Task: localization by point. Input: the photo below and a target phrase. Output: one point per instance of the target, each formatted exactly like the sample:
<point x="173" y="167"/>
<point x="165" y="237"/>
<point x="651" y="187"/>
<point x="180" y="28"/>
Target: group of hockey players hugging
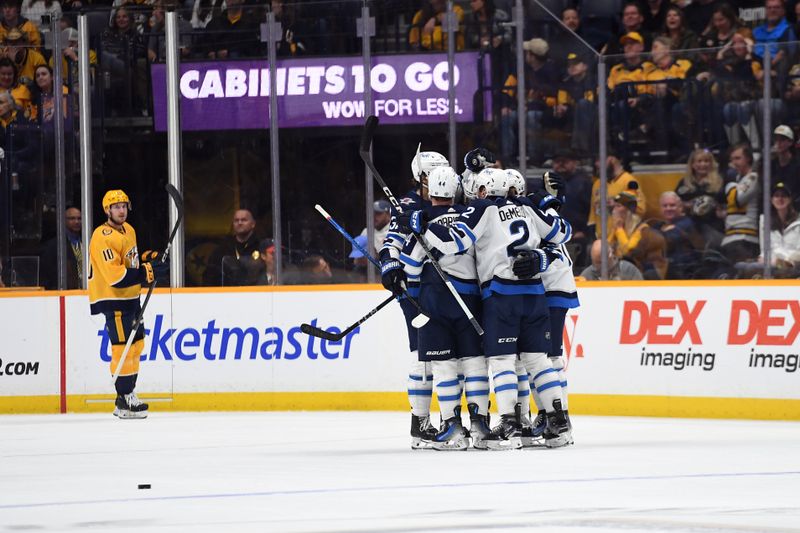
<point x="502" y="252"/>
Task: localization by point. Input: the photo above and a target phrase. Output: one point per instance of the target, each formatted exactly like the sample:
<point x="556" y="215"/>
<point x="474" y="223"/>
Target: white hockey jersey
<point x="499" y="228"/>
<point x="460" y="268"/>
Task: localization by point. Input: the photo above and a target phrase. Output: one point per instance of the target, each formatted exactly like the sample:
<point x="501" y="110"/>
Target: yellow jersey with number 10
<point x="111" y="253"/>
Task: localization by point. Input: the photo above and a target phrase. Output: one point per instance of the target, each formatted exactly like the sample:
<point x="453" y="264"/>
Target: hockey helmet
<point x="443" y="183"/>
<point x="514" y="179"/>
<point x="493" y="180"/>
<point x="116" y="196"/>
<point x="424" y="162"/>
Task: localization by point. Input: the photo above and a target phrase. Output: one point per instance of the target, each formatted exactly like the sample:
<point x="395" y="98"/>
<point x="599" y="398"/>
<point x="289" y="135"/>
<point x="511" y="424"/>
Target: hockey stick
<point x="308" y="329"/>
<point x="421" y="319"/>
<point x="363" y="151"/>
<point x="177" y="199"/>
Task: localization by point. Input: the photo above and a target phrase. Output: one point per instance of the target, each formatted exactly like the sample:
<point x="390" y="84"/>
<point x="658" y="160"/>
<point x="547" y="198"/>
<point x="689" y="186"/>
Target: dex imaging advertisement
<point x="406" y="89"/>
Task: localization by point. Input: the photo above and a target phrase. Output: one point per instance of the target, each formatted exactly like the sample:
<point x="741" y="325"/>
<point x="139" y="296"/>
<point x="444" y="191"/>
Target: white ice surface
<point x="355" y="472"/>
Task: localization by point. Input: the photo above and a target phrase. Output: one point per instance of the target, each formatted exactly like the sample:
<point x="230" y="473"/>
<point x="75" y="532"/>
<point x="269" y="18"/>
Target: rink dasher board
<point x="708" y="349"/>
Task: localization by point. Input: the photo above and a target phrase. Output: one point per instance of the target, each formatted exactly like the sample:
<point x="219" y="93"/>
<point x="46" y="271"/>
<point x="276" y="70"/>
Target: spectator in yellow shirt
<point x="426" y="27"/>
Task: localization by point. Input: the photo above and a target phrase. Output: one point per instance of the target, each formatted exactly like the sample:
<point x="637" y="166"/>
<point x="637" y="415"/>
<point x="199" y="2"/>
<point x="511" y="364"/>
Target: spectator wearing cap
<point x="157" y="42"/>
<point x="266" y="250"/>
<point x="784" y="232"/>
<point x="619" y="180"/>
<point x="12" y="19"/>
<point x="575" y="102"/>
<point x="541" y="87"/>
<point x="381" y="216"/>
<point x="426" y="31"/>
<point x="625" y="81"/>
<point x="785" y="165"/>
<point x="69" y="59"/>
<point x="742" y="197"/>
<point x="632" y="22"/>
<point x="15" y="45"/>
<point x="634" y="240"/>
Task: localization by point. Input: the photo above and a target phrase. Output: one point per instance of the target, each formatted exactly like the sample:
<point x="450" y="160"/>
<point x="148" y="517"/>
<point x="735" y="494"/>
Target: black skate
<point x="505" y="435"/>
<point x="130" y="406"/>
<point x="452" y="435"/>
<point x="422" y="432"/>
<point x="527" y="435"/>
<point x="478" y="427"/>
<point x="556" y="433"/>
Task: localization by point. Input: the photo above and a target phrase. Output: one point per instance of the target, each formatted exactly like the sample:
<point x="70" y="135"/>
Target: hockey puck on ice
<point x="144" y="485"/>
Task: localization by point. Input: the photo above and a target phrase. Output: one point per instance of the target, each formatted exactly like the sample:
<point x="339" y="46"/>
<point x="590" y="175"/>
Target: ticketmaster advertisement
<point x="325" y="91"/>
<point x="729" y="341"/>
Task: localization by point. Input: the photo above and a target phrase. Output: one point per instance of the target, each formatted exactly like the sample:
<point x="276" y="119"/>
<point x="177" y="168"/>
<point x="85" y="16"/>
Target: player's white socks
<point x="476" y="382"/>
<point x="523" y="386"/>
<point x="419" y="390"/>
<point x="448" y="386"/>
<point x="504" y="377"/>
<point x="544" y="378"/>
<point x="558" y="364"/>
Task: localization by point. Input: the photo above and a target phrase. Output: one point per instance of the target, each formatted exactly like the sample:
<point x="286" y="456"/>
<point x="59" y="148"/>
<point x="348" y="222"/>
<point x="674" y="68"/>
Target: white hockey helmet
<point x="424" y="162"/>
<point x="469" y="184"/>
<point x="493" y="180"/>
<point x="514" y="179"/>
<point x="443" y="183"/>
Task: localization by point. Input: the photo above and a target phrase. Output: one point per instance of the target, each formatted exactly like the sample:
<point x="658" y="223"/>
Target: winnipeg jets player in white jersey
<point x="394" y="279"/>
<point x="561" y="293"/>
<point x="509" y="236"/>
<point x="448" y="340"/>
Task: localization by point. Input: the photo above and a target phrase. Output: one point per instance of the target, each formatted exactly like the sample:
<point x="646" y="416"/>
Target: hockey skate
<point x="452" y="435"/>
<point x="130" y="406"/>
<point x="505" y="435"/>
<point x="528" y="435"/>
<point x="422" y="432"/>
<point x="478" y="427"/>
<point x="556" y="433"/>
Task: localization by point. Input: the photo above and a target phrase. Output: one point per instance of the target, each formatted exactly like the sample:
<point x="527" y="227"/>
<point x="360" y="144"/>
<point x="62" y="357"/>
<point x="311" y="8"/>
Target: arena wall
<point x="694" y="349"/>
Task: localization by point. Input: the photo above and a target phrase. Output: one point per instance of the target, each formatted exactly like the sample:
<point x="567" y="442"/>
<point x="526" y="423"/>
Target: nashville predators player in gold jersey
<point x="115" y="282"/>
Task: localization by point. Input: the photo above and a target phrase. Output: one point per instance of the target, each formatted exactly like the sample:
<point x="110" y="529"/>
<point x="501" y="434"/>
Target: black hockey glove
<point x="393" y="277"/>
<point x="528" y="263"/>
<point x="478" y="159"/>
<point x="544" y="201"/>
<point x="413" y="221"/>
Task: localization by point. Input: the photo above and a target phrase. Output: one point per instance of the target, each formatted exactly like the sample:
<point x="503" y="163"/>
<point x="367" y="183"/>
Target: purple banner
<point x="406" y="89"/>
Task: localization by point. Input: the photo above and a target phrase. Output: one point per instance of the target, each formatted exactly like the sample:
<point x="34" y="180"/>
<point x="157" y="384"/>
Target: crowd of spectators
<point x="685" y="81"/>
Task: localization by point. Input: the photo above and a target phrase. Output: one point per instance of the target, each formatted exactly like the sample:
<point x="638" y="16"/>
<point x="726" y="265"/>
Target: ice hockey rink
<point x="338" y="472"/>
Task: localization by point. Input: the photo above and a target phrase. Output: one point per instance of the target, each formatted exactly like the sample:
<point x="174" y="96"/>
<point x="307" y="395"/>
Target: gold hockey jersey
<point x="114" y="279"/>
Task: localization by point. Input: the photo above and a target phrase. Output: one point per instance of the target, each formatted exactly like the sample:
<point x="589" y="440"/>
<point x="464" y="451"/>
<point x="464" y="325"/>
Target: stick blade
<point x="369" y="131"/>
<point x="176" y="197"/>
<point x="420" y="320"/>
<point x="308" y="329"/>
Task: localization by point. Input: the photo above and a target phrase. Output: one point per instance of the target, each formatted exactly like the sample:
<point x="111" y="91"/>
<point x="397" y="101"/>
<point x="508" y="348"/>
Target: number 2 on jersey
<point x="516" y="228"/>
